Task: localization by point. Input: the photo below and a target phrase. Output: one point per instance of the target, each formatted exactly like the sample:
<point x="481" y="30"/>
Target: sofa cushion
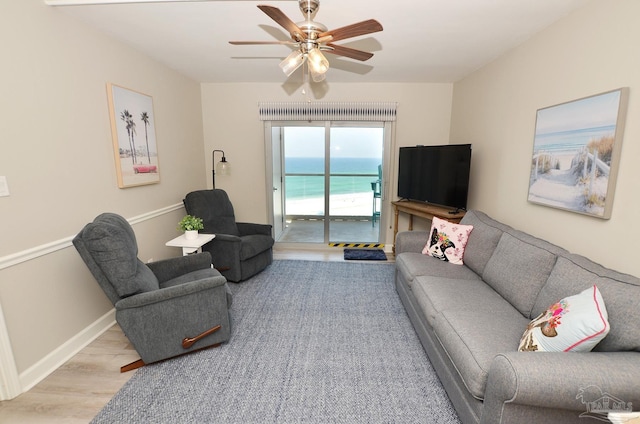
<point x="621" y="294"/>
<point x="473" y="337"/>
<point x="518" y="269"/>
<point x="436" y="294"/>
<point x="483" y="239"/>
<point x="573" y="324"/>
<point x="414" y="264"/>
<point x="114" y="249"/>
<point x="447" y="241"/>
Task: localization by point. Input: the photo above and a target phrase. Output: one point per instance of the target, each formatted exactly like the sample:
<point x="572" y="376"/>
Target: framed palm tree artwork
<point x="134" y="137"/>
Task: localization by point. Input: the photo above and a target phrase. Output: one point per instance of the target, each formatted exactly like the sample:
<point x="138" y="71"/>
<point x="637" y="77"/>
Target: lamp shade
<point x="317" y="76"/>
<point x="223" y="167"/>
<point x="292" y="62"/>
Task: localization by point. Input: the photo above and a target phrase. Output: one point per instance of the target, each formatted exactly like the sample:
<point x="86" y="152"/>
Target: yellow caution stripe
<point x="369" y="245"/>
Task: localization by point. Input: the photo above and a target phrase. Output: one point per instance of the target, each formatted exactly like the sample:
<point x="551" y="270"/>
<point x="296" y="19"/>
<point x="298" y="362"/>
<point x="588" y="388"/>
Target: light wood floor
<point x="80" y="388"/>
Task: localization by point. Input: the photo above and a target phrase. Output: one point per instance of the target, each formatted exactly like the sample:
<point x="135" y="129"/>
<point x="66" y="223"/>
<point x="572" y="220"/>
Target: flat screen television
<point x="435" y="174"/>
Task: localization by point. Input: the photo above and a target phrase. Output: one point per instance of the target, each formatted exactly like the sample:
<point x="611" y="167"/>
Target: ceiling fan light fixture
<point x="317" y="77"/>
<point x="292" y="62"/>
<point x="318" y="64"/>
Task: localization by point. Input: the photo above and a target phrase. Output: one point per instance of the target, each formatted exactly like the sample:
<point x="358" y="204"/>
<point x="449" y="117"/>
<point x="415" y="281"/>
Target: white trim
<point x="9" y="381"/>
<point x="45" y="249"/>
<point x="12" y="384"/>
<point x="40" y="370"/>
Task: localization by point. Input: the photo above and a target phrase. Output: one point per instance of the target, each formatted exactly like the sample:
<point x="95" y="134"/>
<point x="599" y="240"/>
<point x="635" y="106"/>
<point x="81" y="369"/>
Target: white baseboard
<point x="40" y="370"/>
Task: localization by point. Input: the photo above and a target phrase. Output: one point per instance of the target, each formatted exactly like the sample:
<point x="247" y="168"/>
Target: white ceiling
<point x="422" y="41"/>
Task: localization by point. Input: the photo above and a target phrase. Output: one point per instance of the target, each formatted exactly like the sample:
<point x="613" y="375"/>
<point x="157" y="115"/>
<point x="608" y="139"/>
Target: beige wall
<point x="56" y="152"/>
<point x="588" y="52"/>
<point x="231" y="123"/>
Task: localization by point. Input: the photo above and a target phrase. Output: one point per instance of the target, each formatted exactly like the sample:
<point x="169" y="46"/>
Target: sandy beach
<point x="353" y="204"/>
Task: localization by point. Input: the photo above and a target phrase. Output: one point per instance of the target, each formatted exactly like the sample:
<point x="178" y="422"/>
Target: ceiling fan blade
<point x="349" y="52"/>
<point x="353" y="30"/>
<point x="284" y="21"/>
<point x="246" y="43"/>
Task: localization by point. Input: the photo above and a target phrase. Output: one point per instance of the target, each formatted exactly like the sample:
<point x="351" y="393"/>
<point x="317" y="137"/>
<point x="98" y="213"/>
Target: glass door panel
<point x="355" y="169"/>
<point x="304" y="181"/>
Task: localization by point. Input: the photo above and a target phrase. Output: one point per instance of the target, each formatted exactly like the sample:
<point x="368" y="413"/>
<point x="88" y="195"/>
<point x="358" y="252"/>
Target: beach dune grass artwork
<point x="576" y="151"/>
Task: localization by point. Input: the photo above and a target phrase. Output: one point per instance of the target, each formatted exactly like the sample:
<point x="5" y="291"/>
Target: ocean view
<point x="351" y="179"/>
<point x="563" y="141"/>
<point x="304" y="186"/>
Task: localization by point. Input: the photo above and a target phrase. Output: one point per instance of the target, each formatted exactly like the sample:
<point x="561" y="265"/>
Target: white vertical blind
<point x="327" y="111"/>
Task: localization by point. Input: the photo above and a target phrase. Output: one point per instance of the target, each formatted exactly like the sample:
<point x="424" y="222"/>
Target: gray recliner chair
<point x="165" y="308"/>
<point x="240" y="250"/>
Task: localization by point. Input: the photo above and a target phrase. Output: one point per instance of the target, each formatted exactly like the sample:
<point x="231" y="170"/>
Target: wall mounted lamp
<point x="223" y="167"/>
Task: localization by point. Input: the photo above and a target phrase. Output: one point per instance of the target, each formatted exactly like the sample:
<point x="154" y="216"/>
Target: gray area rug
<point x="312" y="342"/>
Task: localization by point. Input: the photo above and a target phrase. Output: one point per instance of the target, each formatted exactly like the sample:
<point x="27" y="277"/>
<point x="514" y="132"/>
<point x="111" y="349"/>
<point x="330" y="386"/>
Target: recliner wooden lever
<point x="187" y="342"/>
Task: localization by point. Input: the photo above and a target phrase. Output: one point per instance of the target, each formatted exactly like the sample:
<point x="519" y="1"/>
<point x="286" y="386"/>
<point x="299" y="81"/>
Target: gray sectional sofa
<point x="470" y="319"/>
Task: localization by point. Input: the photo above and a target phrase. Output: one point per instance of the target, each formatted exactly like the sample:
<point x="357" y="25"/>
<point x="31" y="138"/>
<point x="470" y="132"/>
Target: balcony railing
<point x="350" y="196"/>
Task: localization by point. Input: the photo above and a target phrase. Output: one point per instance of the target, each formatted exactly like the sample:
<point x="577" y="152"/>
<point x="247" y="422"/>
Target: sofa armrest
<point x="411" y="241"/>
<point x="247" y="228"/>
<point x="560" y="380"/>
<point x="168" y="269"/>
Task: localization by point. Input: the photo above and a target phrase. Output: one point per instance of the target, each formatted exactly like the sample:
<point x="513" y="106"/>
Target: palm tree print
<point x="144" y="117"/>
<point x="131" y="129"/>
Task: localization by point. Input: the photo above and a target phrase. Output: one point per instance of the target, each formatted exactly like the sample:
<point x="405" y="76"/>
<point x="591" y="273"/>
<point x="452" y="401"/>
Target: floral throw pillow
<point x="447" y="241"/>
<point x="574" y="324"/>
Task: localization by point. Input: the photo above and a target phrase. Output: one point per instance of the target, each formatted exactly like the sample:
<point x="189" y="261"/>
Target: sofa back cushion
<point x="483" y="239"/>
<point x="621" y="293"/>
<point x="518" y="268"/>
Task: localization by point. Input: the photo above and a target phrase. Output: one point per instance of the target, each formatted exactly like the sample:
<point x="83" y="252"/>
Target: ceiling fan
<point x="310" y="39"/>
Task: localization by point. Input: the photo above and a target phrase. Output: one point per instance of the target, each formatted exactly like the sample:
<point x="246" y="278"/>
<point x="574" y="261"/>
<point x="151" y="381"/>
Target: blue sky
<point x="591" y="112"/>
<point x="345" y="142"/>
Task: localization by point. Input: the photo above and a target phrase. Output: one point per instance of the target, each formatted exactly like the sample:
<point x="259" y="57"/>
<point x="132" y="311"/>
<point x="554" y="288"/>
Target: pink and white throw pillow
<point x="447" y="241"/>
<point x="574" y="324"/>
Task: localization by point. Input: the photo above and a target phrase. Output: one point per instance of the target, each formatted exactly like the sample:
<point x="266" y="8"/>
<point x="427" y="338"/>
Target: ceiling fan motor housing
<point x="311" y="29"/>
<point x="309" y="6"/>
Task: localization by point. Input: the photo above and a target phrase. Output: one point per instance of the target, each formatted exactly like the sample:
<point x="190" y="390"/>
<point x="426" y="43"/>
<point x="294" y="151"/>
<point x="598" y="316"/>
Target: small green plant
<point x="190" y="223"/>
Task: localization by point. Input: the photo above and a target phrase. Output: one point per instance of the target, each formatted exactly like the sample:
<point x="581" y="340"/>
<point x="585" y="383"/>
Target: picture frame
<point x="134" y="137"/>
<point x="576" y="153"/>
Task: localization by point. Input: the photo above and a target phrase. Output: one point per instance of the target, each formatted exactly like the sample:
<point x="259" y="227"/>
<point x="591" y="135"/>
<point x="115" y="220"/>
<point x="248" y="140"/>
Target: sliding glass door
<point x="330" y="181"/>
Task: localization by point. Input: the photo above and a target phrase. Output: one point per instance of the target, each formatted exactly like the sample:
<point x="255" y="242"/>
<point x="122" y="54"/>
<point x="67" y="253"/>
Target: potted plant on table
<point x="190" y="225"/>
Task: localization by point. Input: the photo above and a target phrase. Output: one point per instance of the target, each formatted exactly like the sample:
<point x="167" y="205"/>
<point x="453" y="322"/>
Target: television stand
<point x="423" y="210"/>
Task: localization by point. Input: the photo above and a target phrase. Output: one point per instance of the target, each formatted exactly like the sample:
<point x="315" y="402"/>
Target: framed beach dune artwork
<point x="576" y="152"/>
<point x="134" y="137"/>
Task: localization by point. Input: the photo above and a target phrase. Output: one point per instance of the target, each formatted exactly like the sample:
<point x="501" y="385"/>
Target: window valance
<point x="327" y="111"/>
